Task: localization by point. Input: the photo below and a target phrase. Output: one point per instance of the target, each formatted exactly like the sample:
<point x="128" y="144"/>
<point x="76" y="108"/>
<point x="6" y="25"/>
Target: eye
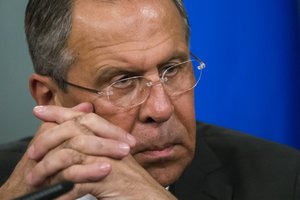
<point x="171" y="70"/>
<point x="125" y="82"/>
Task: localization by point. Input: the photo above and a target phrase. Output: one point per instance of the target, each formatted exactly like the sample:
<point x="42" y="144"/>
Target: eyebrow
<point x="107" y="73"/>
<point x="180" y="56"/>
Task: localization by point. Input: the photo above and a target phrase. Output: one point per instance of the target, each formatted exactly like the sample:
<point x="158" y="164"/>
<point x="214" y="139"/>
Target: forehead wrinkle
<point x="129" y="17"/>
<point x="139" y="59"/>
<point x="92" y="29"/>
<point x="113" y="48"/>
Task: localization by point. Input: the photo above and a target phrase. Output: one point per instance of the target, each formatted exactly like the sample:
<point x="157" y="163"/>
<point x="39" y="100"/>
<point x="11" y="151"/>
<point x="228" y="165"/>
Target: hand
<point x="52" y="134"/>
<point x="127" y="180"/>
<point x="77" y="135"/>
<point x="62" y="158"/>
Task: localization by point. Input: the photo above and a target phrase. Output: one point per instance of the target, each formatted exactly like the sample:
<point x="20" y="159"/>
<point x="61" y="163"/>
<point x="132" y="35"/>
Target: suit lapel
<point x="205" y="178"/>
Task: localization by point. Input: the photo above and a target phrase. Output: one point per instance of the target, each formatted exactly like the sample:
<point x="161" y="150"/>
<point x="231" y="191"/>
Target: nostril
<point x="150" y="120"/>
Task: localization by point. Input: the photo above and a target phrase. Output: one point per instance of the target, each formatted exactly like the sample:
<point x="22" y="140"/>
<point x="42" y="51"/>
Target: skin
<point x="105" y="149"/>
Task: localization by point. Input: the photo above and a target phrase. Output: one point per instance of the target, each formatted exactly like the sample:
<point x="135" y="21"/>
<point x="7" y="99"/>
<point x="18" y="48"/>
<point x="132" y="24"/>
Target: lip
<point x="159" y="152"/>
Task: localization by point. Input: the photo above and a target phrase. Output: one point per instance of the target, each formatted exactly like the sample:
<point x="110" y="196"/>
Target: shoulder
<point x="220" y="139"/>
<point x="264" y="169"/>
<point x="255" y="165"/>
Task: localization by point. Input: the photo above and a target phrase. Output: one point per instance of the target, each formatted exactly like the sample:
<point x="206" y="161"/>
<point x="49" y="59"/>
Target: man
<point x="114" y="82"/>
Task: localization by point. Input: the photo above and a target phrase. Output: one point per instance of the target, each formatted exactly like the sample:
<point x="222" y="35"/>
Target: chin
<point x="167" y="173"/>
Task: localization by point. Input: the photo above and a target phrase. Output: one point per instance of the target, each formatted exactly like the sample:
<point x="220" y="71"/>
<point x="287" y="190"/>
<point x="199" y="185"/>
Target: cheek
<point x="68" y="99"/>
<point x="185" y="111"/>
<point x="124" y="119"/>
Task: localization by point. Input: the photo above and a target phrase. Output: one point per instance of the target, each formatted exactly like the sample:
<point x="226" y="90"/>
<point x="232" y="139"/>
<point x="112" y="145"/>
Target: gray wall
<point x="16" y="118"/>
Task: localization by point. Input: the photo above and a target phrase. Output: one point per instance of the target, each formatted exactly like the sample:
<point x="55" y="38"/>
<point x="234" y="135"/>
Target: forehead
<point x="120" y="21"/>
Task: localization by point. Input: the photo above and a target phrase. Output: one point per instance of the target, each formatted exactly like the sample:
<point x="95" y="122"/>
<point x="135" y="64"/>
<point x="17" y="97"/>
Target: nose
<point x="158" y="107"/>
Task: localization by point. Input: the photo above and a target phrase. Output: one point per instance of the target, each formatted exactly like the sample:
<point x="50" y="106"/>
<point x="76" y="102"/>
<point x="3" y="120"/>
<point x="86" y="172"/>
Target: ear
<point x="43" y="89"/>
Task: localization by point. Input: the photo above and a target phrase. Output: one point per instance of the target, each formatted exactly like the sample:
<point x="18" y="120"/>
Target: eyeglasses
<point x="128" y="92"/>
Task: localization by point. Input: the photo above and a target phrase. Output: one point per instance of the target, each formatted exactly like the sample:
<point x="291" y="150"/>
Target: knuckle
<point x="63" y="158"/>
<point x="73" y="156"/>
<point x="90" y="118"/>
<point x="98" y="144"/>
<point x="47" y="164"/>
<point x="83" y="122"/>
<point x="68" y="174"/>
<point x="78" y="142"/>
<point x="44" y="132"/>
<point x="72" y="174"/>
<point x="77" y="119"/>
<point x="71" y="123"/>
<point x="45" y="126"/>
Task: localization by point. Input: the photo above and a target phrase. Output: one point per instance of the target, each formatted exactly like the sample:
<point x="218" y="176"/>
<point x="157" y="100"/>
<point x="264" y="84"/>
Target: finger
<point x="85" y="107"/>
<point x="87" y="173"/>
<point x="52" y="138"/>
<point x="87" y="144"/>
<point x="96" y="146"/>
<point x="58" y="114"/>
<point x="67" y="161"/>
<point x="98" y="125"/>
<point x="105" y="129"/>
<point x="86" y="125"/>
<point x="52" y="163"/>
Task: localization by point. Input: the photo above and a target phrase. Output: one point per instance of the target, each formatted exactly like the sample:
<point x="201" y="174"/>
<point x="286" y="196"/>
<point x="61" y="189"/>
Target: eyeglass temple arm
<point x="202" y="64"/>
<point x="84" y="88"/>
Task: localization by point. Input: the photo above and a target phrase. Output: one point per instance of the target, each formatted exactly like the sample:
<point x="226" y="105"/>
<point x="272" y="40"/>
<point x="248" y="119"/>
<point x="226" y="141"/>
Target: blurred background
<point x="16" y="118"/>
<point x="251" y="84"/>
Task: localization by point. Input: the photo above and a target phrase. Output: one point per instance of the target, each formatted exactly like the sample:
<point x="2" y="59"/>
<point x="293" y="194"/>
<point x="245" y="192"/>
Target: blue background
<point x="252" y="52"/>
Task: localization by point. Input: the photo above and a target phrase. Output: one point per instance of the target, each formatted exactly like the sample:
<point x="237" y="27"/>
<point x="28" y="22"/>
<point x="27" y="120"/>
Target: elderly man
<point x="114" y="84"/>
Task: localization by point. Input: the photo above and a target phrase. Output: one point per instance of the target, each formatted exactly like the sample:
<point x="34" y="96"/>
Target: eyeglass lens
<point x="176" y="80"/>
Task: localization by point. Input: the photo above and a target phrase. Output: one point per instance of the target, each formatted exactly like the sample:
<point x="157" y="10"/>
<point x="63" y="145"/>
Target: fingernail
<point x="125" y="148"/>
<point x="39" y="109"/>
<point x="131" y="140"/>
<point x="104" y="166"/>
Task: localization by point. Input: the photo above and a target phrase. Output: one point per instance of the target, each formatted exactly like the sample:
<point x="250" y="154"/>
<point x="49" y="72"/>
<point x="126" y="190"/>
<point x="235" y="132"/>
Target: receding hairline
<point x="48" y="25"/>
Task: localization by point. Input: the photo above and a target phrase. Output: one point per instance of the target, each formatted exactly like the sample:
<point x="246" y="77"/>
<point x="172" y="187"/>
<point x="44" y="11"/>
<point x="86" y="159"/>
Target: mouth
<point x="158" y="152"/>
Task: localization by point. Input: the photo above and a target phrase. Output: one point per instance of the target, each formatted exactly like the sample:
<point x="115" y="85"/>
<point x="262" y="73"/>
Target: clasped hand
<point x="80" y="146"/>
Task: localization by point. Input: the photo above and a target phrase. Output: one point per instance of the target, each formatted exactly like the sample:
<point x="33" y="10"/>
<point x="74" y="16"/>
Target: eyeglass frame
<point x="200" y="67"/>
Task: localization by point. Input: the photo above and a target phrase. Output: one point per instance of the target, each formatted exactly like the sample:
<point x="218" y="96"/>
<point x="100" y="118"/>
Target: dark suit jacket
<point x="232" y="165"/>
<point x="227" y="166"/>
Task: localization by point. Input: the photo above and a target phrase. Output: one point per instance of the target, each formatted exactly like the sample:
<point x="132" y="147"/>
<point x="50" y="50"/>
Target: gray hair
<point x="48" y="25"/>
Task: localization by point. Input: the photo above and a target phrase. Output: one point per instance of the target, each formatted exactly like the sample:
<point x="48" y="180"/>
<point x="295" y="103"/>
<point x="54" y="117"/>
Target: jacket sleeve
<point x="10" y="155"/>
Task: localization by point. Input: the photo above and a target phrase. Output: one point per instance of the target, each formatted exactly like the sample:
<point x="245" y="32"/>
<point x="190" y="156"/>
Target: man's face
<point x="139" y="36"/>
